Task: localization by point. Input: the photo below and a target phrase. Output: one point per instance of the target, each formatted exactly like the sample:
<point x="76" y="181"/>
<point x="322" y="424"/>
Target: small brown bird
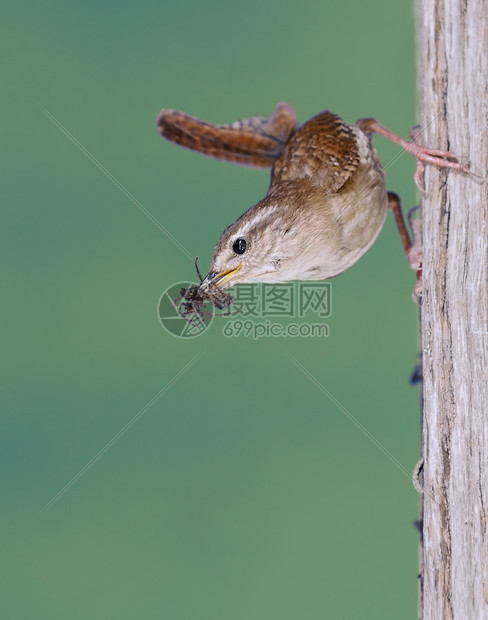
<point x="326" y="202"/>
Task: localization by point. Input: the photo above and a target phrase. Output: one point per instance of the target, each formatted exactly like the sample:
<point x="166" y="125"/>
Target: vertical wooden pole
<point x="452" y="48"/>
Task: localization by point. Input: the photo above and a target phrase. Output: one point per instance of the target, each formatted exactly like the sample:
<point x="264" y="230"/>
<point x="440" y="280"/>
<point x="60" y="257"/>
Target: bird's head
<point x="267" y="242"/>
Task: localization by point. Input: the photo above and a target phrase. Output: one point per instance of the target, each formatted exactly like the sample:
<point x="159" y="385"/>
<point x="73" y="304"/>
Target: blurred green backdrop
<point x="244" y="491"/>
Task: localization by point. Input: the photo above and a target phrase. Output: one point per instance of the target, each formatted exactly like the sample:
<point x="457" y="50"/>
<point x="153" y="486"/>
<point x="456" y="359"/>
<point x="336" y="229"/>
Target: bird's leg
<point x="413" y="250"/>
<point x="423" y="155"/>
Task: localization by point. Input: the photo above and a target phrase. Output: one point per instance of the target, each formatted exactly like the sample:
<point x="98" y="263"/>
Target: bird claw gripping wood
<point x="414" y="254"/>
<point x="422" y="154"/>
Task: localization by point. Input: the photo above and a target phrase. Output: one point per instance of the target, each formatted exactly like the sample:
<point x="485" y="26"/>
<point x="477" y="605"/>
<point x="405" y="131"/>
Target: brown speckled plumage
<point x="324" y="149"/>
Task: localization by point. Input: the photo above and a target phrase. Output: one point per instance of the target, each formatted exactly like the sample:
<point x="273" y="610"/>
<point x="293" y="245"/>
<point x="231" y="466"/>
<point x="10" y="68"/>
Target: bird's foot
<point x="414" y="254"/>
<point x="423" y="155"/>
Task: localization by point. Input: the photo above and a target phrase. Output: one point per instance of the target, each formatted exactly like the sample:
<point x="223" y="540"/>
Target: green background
<point x="244" y="491"/>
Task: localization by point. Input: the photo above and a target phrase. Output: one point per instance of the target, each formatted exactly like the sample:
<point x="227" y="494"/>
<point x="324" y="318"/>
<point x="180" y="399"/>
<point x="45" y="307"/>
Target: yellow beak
<point x="223" y="276"/>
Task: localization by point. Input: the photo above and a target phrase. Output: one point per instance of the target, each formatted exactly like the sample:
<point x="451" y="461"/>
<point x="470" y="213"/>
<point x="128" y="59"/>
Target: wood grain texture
<point x="452" y="40"/>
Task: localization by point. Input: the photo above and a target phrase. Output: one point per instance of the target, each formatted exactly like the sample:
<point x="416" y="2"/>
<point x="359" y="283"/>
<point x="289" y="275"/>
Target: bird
<point x="326" y="202"/>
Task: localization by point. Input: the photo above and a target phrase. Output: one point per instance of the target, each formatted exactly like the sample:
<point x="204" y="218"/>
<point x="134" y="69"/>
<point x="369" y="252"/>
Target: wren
<point x="326" y="203"/>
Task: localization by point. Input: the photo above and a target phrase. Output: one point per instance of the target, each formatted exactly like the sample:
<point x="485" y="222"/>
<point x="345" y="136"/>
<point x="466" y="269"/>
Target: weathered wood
<point x="452" y="41"/>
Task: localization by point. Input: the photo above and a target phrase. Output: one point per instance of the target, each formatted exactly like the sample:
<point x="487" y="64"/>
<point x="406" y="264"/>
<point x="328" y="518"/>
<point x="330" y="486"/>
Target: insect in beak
<point x="193" y="298"/>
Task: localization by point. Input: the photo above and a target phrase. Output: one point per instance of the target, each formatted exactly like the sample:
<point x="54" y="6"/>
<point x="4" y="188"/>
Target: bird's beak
<point x="219" y="279"/>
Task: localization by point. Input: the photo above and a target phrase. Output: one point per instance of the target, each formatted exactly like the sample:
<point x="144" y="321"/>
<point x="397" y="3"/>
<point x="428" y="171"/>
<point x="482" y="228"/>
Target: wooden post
<point x="452" y="46"/>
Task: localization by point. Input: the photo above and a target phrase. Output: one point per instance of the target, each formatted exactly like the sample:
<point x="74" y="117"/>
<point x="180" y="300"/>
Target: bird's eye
<point x="239" y="246"/>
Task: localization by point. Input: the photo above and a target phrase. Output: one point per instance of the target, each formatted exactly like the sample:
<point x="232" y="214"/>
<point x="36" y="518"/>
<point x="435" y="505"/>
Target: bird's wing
<point x="323" y="149"/>
<point x="255" y="141"/>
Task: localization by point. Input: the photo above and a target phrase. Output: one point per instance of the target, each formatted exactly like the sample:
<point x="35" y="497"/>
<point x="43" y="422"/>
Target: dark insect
<point x="193" y="298"/>
<point x="190" y="302"/>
